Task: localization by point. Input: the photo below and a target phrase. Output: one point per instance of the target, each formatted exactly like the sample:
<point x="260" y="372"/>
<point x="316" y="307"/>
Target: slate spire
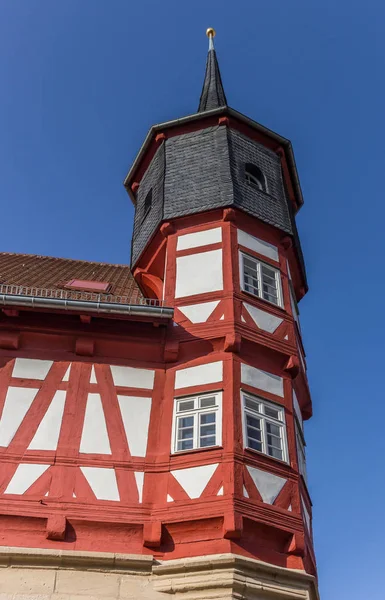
<point x="213" y="94"/>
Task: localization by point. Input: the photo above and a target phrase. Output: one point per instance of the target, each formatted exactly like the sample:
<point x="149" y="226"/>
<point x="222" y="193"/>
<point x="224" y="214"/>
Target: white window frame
<point x="300" y="445"/>
<point x="259" y="264"/>
<point x="195" y="413"/>
<point x="281" y="423"/>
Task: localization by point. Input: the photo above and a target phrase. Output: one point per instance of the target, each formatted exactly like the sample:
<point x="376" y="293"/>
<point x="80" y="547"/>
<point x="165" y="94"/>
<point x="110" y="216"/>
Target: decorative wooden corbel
<point x="85" y="346"/>
<point x="229" y="214"/>
<point x="167" y="229"/>
<point x="11" y="312"/>
<point x="9" y="339"/>
<point x="152" y="534"/>
<point x="292" y="366"/>
<point x="224" y="121"/>
<point x="296" y="545"/>
<point x="135" y="187"/>
<point x="232" y="342"/>
<point x="171" y="350"/>
<point x="56" y="527"/>
<point x="160" y="137"/>
<point x="232" y="525"/>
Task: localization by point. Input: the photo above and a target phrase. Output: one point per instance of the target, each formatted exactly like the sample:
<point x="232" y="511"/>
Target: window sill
<point x="258" y="453"/>
<point x="195" y="450"/>
<point x="264" y="301"/>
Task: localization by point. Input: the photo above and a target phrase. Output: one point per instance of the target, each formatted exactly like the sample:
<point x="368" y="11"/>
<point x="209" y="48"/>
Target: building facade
<point x="151" y="433"/>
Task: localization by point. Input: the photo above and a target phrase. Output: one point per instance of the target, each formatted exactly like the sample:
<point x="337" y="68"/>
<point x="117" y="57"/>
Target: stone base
<point x="30" y="574"/>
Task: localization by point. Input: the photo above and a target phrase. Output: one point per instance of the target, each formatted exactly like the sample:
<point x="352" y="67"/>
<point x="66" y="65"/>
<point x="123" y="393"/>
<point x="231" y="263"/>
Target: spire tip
<point x="210" y="32"/>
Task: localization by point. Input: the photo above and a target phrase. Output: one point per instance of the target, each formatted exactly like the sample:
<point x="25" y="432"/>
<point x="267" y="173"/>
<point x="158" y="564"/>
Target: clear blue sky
<point x="82" y="81"/>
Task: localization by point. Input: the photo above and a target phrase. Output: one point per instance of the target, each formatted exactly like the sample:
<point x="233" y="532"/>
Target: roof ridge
<point x="78" y="260"/>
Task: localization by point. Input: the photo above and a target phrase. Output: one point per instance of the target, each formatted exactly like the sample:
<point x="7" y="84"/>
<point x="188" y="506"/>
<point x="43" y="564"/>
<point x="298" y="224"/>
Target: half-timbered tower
<point x="151" y="433"/>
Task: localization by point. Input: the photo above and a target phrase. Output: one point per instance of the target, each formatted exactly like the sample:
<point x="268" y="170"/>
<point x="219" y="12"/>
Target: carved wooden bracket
<point x="56" y="527"/>
<point x="85" y="346"/>
<point x="9" y="340"/>
<point x="152" y="533"/>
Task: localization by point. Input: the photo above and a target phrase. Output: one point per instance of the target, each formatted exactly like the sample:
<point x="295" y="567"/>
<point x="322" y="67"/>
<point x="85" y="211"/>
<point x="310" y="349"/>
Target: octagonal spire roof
<point x="213" y="95"/>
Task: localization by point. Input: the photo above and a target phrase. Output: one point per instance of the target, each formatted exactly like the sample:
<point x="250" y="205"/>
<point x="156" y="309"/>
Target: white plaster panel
<point x="245" y="492"/>
<point x="102" y="482"/>
<point x="262" y="380"/>
<point x="220" y="491"/>
<point x="199" y="238"/>
<point x="199" y="313"/>
<point x="135" y="413"/>
<point x="67" y="374"/>
<point x="297" y="409"/>
<point x="31" y="368"/>
<point x="194" y="479"/>
<point x="170" y="498"/>
<point x="199" y="375"/>
<point x="199" y="273"/>
<point x="25" y="475"/>
<point x="17" y="402"/>
<point x="133" y="377"/>
<point x="94" y="435"/>
<point x="263" y="319"/>
<point x="47" y="434"/>
<point x="267" y="484"/>
<point x="139" y="478"/>
<point x="253" y="243"/>
<point x="93" y="375"/>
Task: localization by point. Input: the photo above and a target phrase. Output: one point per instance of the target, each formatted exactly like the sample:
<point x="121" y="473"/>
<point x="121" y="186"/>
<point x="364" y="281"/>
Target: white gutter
<point x="86" y="306"/>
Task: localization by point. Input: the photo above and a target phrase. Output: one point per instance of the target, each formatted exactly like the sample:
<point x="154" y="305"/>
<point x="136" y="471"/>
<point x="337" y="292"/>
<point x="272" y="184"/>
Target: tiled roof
<point x="36" y="273"/>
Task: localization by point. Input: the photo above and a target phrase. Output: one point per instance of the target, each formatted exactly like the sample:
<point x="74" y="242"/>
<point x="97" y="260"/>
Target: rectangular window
<point x="197" y="422"/>
<point x="301" y="456"/>
<point x="261" y="279"/>
<point x="264" y="427"/>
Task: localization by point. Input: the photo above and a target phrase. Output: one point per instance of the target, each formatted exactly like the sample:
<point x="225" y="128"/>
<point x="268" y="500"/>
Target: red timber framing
<point x="110" y="476"/>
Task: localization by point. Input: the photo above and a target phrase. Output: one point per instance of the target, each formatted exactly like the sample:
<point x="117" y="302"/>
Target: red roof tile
<point x="50" y="273"/>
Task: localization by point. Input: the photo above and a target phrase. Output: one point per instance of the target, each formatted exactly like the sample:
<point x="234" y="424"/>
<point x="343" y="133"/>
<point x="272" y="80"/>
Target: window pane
<point x="274" y="429"/>
<point x="252" y="404"/>
<point x="274" y="441"/>
<point x="254" y="433"/>
<point x="207" y="441"/>
<point x="253" y="422"/>
<point x="254" y="444"/>
<point x="268" y="271"/>
<point x="185" y="445"/>
<point x="207" y="418"/>
<point x="205" y="402"/>
<point x="184" y="405"/>
<point x="184" y="434"/>
<point x="185" y="422"/>
<point x="208" y="429"/>
<point x="275" y="452"/>
<point x="272" y="412"/>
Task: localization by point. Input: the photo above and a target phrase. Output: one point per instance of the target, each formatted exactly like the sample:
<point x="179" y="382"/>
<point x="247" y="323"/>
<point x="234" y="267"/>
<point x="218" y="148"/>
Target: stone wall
<point x="28" y="574"/>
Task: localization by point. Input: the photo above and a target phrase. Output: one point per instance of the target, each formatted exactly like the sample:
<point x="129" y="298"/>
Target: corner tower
<point x="151" y="419"/>
<point x="215" y="197"/>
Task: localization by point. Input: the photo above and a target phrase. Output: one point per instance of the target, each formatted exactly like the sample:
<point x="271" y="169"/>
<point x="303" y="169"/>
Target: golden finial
<point x="210" y="32"/>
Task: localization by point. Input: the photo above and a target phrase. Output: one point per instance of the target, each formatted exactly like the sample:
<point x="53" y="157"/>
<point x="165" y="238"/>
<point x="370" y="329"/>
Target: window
<point x="147" y="204"/>
<point x="255" y="177"/>
<point x="261" y="279"/>
<point x="88" y="285"/>
<point x="301" y="456"/>
<point x="264" y="427"/>
<point x="197" y="422"/>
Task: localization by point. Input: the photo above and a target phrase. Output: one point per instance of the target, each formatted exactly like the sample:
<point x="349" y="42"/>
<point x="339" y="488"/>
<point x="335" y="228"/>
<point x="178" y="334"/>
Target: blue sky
<point x="82" y="81"/>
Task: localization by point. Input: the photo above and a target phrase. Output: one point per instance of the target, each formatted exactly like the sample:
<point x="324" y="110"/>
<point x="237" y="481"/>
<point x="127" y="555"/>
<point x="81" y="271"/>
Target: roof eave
<point x="205" y="115"/>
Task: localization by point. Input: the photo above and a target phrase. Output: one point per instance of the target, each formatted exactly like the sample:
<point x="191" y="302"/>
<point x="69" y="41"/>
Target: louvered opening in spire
<point x="213" y="94"/>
